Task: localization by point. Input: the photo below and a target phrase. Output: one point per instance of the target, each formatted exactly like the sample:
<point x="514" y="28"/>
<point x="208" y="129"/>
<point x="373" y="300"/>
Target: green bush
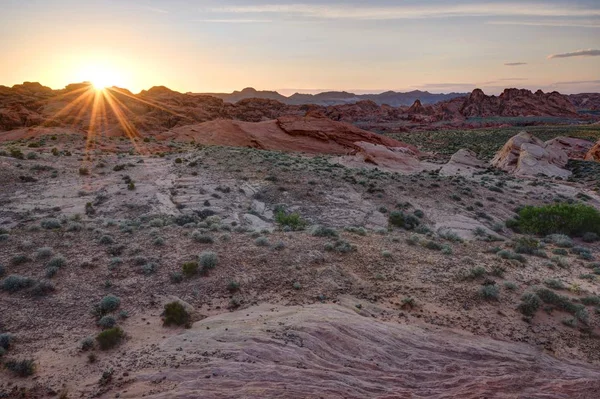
<point x="403" y="220"/>
<point x="51" y="224"/>
<point x="200" y="237"/>
<point x="190" y="268"/>
<point x="110" y="338"/>
<point x="569" y="219"/>
<point x="21" y="368"/>
<point x="489" y="292"/>
<point x="322" y="231"/>
<point x="5" y="340"/>
<point x="530" y="303"/>
<point x="175" y="314"/>
<point x="292" y="220"/>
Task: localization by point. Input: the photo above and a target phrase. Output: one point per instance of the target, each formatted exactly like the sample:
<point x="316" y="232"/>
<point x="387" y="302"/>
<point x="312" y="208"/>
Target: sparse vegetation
<point x="110" y="338"/>
<point x="569" y="219"/>
<point x="175" y="314"/>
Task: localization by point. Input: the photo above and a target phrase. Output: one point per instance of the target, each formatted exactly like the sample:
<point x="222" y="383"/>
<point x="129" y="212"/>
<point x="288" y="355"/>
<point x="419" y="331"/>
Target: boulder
<point x="526" y="155"/>
<point x="464" y="163"/>
<point x="574" y="147"/>
<point x="594" y="153"/>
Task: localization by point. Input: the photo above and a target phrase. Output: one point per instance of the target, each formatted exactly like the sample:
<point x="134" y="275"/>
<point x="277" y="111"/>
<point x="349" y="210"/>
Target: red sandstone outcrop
<point x="594" y="154"/>
<point x="574" y="147"/>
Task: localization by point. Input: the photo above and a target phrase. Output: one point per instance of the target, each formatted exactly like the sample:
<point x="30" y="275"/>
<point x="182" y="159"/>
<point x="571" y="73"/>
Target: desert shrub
<point x="530" y="303"/>
<point x="261" y="241"/>
<point x="175" y="314"/>
<point x="474" y="272"/>
<point x="19" y="259"/>
<point x="51" y="272"/>
<point x="14" y="283"/>
<point x="4" y="237"/>
<point x="413" y="240"/>
<point x="591" y="300"/>
<point x="526" y="245"/>
<point x="208" y="260"/>
<point x="386" y="254"/>
<point x="449" y="235"/>
<point x="560" y="240"/>
<point x="291" y="220"/>
<point x="591" y="237"/>
<point x="156" y="222"/>
<point x="505" y="254"/>
<point x="279" y="245"/>
<point x="559" y="301"/>
<point x="21" y="368"/>
<point x="110" y="338"/>
<point x="361" y="231"/>
<point x="57" y="261"/>
<point x="560" y="251"/>
<point x="74" y="226"/>
<point x="339" y="245"/>
<point x="149" y="268"/>
<point x="158" y="241"/>
<point x="555" y="284"/>
<point x="322" y="231"/>
<point x="297" y="285"/>
<point x="106" y="240"/>
<point x="42" y="288"/>
<point x="489" y="292"/>
<point x="569" y="219"/>
<point x="200" y="237"/>
<point x="5" y="340"/>
<point x="190" y="268"/>
<point x="233" y="286"/>
<point x="107" y="322"/>
<point x="50" y="224"/>
<point x="176" y="277"/>
<point x="109" y="303"/>
<point x="509" y="285"/>
<point x="403" y="220"/>
<point x="2" y="270"/>
<point x="434" y="246"/>
<point x="87" y="344"/>
<point x="44" y="253"/>
<point x="84" y="171"/>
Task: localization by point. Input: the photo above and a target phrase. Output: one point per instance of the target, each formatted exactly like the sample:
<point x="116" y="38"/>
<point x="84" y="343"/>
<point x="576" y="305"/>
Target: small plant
<point x="92" y="358"/>
<point x="21" y="368"/>
<point x="293" y="220"/>
<point x="200" y="237"/>
<point x="489" y="292"/>
<point x="107" y="322"/>
<point x="19" y="259"/>
<point x="42" y="288"/>
<point x="84" y="171"/>
<point x="509" y="285"/>
<point x="110" y="338"/>
<point x="208" y="260"/>
<point x="5" y="340"/>
<point x="403" y="220"/>
<point x="530" y="303"/>
<point x="14" y="283"/>
<point x="190" y="268"/>
<point x="58" y="261"/>
<point x="261" y="241"/>
<point x="50" y="224"/>
<point x="386" y="254"/>
<point x="109" y="303"/>
<point x="591" y="237"/>
<point x="87" y="344"/>
<point x="175" y="314"/>
<point x="408" y="302"/>
<point x="106" y="240"/>
<point x="176" y="277"/>
<point x="44" y="253"/>
<point x="322" y="231"/>
<point x="297" y="285"/>
<point x="555" y="284"/>
<point x="562" y="218"/>
<point x="233" y="286"/>
<point x="149" y="268"/>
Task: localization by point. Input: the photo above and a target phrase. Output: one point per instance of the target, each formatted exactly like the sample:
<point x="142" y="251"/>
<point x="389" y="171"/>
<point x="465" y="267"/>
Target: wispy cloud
<point x="579" y="53"/>
<point x="570" y="23"/>
<point x="578" y="82"/>
<point x="156" y="10"/>
<point x="341" y="11"/>
<point x="512" y="79"/>
<point x="236" y="21"/>
<point x="515" y="63"/>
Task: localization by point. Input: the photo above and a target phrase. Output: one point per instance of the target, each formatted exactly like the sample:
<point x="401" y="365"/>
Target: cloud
<point x="235" y="21"/>
<point x="156" y="10"/>
<point x="578" y="82"/>
<point x="512" y="79"/>
<point x="373" y="12"/>
<point x="579" y="53"/>
<point x="554" y="23"/>
<point x="515" y="63"/>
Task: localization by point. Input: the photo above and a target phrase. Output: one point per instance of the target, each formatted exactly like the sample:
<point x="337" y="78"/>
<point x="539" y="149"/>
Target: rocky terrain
<point x="160" y="108"/>
<point x="167" y="245"/>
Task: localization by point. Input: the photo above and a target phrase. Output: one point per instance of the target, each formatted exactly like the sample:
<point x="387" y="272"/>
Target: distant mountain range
<point x="392" y="98"/>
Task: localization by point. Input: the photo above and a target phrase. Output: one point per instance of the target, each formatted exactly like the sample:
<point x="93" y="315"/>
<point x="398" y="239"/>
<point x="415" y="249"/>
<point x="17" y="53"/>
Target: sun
<point x="102" y="77"/>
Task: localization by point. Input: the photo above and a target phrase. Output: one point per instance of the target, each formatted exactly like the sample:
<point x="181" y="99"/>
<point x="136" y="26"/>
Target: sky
<point x="303" y="45"/>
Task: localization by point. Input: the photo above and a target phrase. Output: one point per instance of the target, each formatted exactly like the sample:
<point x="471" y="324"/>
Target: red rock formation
<point x="517" y="102"/>
<point x="594" y="154"/>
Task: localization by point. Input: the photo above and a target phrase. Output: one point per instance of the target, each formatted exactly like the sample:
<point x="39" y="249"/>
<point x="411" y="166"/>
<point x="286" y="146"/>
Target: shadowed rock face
<point x="526" y="155"/>
<point x="327" y="350"/>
